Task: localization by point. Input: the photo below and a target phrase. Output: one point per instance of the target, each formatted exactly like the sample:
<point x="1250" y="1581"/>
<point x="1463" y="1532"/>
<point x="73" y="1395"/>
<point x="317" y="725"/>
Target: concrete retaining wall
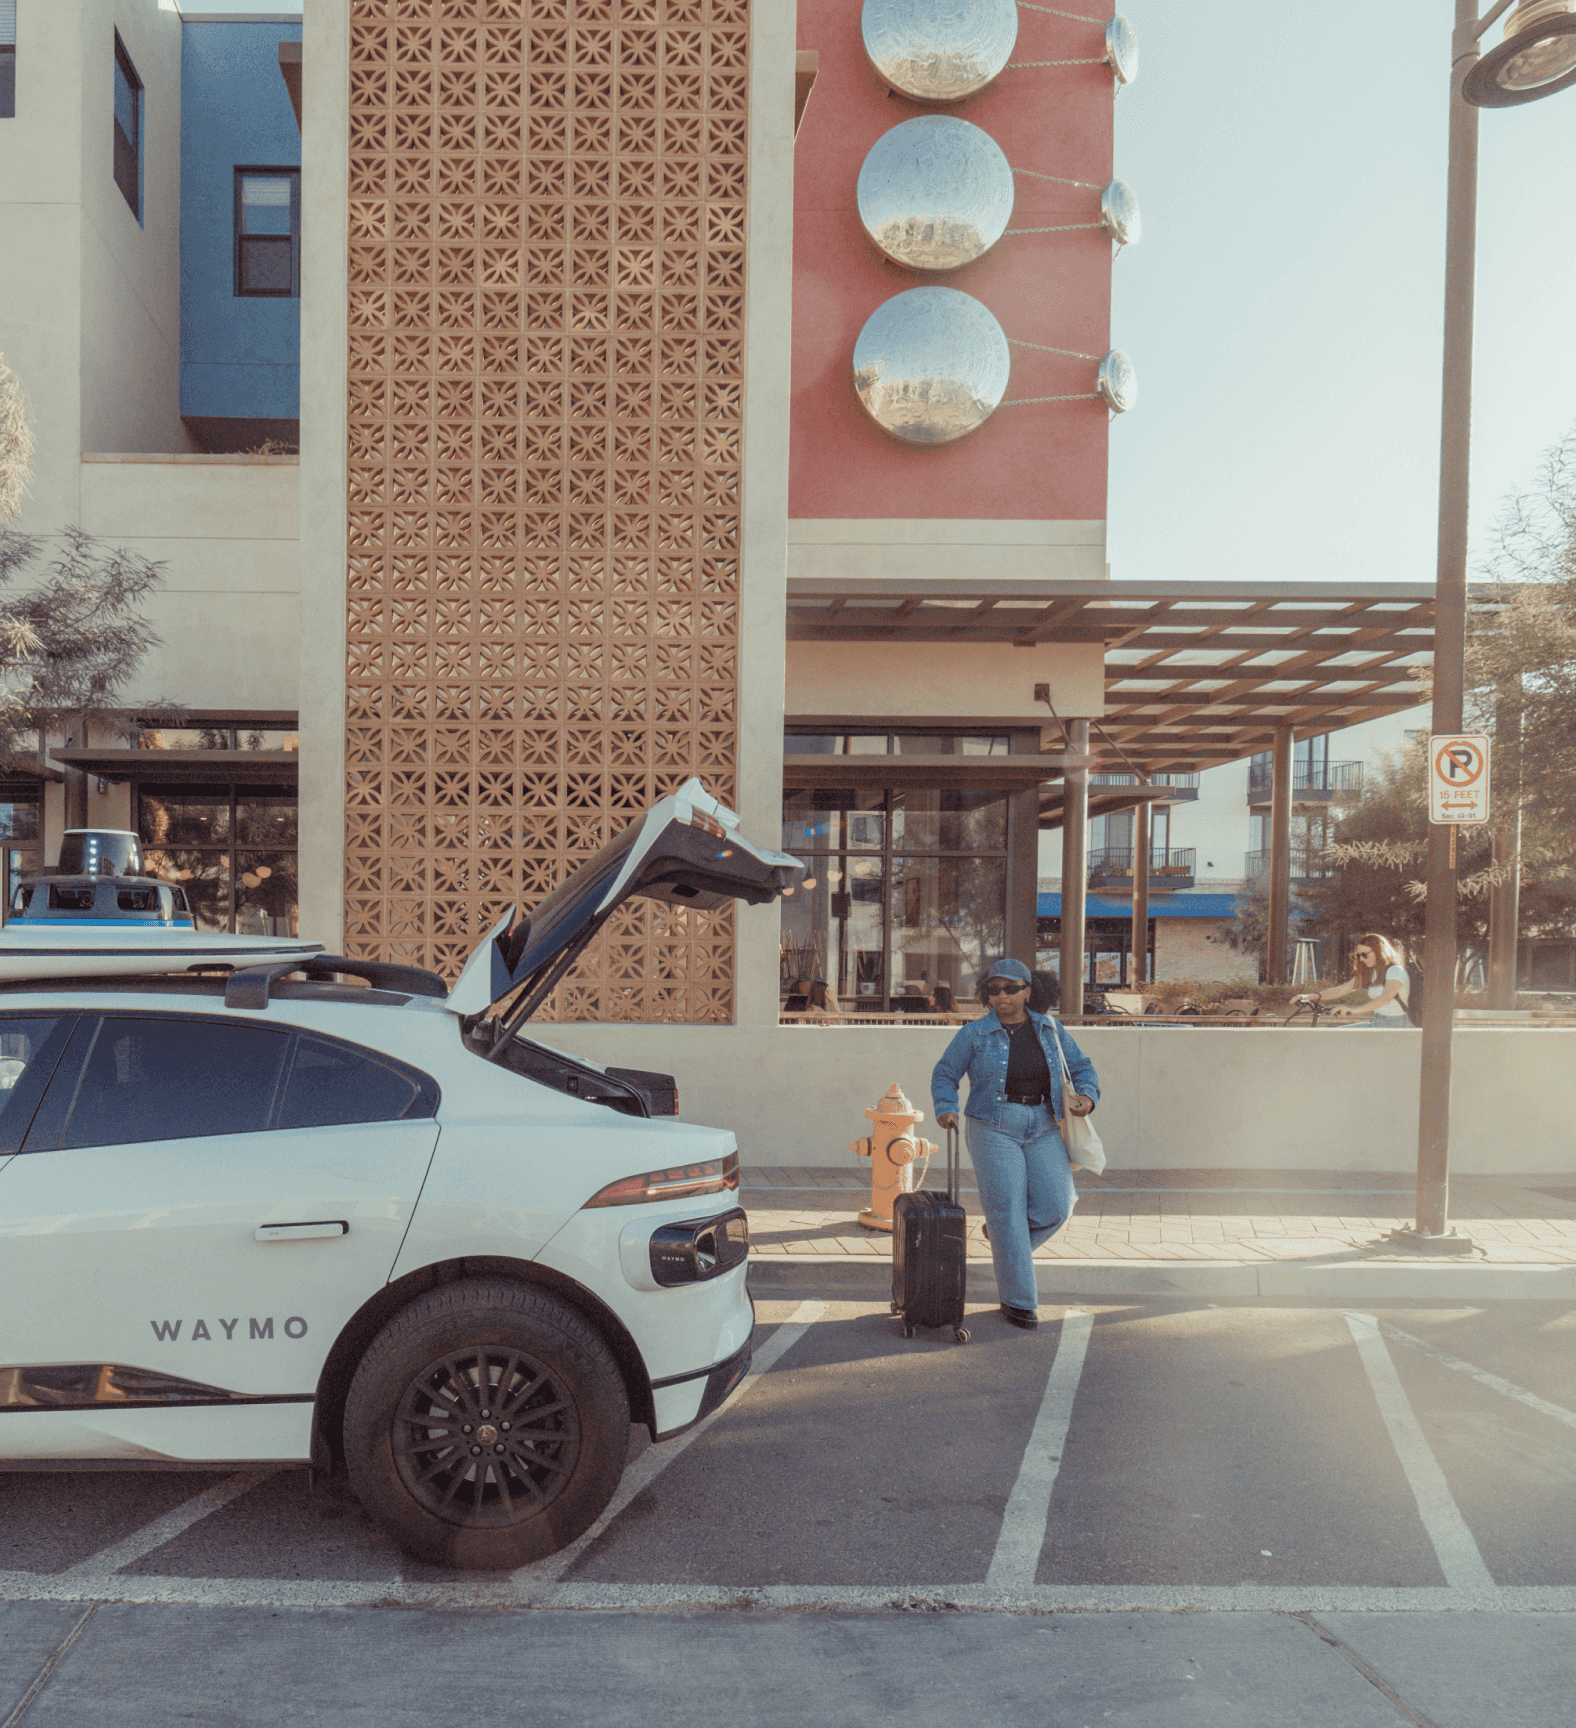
<point x="1173" y="1097"/>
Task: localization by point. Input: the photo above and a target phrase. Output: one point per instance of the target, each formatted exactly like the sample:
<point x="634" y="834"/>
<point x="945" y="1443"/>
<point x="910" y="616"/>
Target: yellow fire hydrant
<point x="892" y="1151"/>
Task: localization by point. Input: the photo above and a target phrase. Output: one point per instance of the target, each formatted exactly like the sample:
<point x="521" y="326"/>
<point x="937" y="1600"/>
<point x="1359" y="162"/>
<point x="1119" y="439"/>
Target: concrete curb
<point x="1348" y="1282"/>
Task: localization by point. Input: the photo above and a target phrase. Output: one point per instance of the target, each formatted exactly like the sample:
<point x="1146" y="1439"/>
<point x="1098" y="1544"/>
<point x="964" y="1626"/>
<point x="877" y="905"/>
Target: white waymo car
<point x="327" y="1210"/>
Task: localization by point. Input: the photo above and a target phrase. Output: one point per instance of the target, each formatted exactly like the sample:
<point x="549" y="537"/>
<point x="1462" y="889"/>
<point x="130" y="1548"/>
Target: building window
<point x="1108" y="951"/>
<point x="19" y="833"/>
<point x="7" y="59"/>
<point x="128" y="129"/>
<point x="905" y="888"/>
<point x="268" y="232"/>
<point x="231" y="846"/>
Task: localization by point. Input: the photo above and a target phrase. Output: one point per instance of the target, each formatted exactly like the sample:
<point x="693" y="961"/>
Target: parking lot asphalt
<point x="1278" y="1487"/>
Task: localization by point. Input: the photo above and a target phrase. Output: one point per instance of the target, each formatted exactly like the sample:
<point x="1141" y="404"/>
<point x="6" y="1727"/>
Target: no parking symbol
<point x="1458" y="779"/>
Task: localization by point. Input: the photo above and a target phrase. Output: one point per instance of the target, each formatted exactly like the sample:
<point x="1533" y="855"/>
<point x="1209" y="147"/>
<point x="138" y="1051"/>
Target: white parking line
<point x="165" y="1529"/>
<point x="473" y="1591"/>
<point x="1454" y="1544"/>
<point x="1023" y="1524"/>
<point x="1484" y="1378"/>
<point x="654" y="1461"/>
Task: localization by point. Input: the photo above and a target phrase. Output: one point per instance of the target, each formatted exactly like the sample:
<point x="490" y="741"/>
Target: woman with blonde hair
<point x="1379" y="968"/>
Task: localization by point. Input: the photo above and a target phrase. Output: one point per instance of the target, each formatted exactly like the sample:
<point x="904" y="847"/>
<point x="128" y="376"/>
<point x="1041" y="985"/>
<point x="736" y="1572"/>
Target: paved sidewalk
<point x="1168" y="1220"/>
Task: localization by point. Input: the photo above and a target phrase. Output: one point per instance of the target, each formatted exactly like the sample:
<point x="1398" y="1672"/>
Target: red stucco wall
<point x="1041" y="463"/>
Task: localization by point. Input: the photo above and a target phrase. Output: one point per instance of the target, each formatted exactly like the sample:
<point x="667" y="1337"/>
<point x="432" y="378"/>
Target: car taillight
<point x="699" y="819"/>
<point x="715" y="1176"/>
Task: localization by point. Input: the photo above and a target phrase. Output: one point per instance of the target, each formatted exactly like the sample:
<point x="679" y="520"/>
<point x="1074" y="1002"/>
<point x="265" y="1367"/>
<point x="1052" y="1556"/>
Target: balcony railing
<point x="1311" y="782"/>
<point x="1305" y="866"/>
<point x="1182" y="786"/>
<point x="1170" y="869"/>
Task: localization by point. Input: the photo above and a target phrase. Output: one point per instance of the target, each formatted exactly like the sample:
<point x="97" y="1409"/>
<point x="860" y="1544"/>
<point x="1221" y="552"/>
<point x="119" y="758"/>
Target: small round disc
<point x="1119" y="213"/>
<point x="1121" y="49"/>
<point x="1117" y="382"/>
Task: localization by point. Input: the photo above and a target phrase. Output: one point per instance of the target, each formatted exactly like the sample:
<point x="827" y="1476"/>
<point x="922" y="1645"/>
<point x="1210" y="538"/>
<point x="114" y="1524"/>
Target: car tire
<point x="486" y="1426"/>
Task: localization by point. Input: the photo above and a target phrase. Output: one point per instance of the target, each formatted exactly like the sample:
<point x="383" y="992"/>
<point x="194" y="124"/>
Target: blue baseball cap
<point x="1013" y="969"/>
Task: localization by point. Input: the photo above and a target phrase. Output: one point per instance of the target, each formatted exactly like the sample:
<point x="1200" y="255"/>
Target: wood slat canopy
<point x="1003" y="774"/>
<point x="1196" y="673"/>
<point x="262" y="766"/>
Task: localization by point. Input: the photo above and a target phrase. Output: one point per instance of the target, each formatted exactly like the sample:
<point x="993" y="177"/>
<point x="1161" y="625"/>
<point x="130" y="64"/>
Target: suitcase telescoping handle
<point x="952" y="1165"/>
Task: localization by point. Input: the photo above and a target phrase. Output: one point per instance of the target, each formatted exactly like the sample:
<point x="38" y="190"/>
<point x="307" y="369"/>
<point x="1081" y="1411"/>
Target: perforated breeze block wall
<point x="546" y="270"/>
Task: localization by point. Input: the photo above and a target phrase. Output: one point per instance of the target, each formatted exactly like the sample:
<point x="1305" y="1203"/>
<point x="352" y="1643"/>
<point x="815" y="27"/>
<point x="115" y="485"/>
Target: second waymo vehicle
<point x="326" y="1210"/>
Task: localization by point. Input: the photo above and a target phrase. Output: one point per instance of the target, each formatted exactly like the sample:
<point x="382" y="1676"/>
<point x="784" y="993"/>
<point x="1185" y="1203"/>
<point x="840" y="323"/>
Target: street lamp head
<point x="1536" y="58"/>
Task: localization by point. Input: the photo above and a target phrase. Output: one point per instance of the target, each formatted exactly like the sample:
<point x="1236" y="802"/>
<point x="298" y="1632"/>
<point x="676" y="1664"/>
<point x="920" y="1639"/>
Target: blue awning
<point x="1160" y="906"/>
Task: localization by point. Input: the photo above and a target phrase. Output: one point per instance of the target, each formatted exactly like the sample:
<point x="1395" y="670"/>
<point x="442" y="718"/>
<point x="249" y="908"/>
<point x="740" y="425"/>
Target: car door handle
<point x="301" y="1232"/>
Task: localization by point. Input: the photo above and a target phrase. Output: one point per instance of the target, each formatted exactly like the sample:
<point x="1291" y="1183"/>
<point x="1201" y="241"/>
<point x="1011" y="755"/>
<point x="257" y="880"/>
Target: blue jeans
<point x="1026" y="1189"/>
<point x="1380" y="1023"/>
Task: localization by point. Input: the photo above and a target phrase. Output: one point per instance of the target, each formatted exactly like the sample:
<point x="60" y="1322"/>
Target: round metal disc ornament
<point x="1117" y="382"/>
<point x="939" y="50"/>
<point x="1119" y="213"/>
<point x="1121" y="49"/>
<point x="931" y="365"/>
<point x="935" y="192"/>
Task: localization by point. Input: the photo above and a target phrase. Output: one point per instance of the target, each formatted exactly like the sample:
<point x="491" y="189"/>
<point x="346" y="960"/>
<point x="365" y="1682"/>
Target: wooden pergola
<point x="1196" y="674"/>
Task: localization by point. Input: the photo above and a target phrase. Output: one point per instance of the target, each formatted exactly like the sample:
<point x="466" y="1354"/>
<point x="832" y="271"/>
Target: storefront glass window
<point x="904" y="889"/>
<point x="233" y="849"/>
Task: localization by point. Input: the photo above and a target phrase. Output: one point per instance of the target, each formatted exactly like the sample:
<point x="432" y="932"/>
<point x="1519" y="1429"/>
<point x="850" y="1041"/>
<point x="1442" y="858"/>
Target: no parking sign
<point x="1458" y="778"/>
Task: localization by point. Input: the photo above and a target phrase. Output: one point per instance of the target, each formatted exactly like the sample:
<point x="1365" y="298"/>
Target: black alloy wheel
<point x="486" y="1426"/>
<point x="484" y="1433"/>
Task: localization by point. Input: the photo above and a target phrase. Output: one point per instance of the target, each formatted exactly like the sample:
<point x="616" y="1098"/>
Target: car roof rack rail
<point x="251" y="986"/>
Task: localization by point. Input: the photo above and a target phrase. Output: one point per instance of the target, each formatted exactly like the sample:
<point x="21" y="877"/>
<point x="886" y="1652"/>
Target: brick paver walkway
<point x="801" y="1213"/>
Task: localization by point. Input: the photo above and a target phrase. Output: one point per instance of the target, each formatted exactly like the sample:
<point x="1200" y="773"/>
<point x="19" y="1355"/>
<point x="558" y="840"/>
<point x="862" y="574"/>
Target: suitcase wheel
<point x="961" y="1333"/>
<point x="908" y="1331"/>
<point x="896" y="1307"/>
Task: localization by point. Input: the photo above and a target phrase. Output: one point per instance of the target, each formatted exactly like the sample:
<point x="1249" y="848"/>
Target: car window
<point x="29" y="1049"/>
<point x="149" y="1078"/>
<point x="333" y="1083"/>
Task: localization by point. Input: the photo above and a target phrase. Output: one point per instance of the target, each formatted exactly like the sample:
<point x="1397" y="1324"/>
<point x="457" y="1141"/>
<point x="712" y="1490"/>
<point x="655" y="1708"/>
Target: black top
<point x="1027" y="1070"/>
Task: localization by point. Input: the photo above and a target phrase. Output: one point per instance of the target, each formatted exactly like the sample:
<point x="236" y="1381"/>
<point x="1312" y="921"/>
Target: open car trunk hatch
<point x="686" y="850"/>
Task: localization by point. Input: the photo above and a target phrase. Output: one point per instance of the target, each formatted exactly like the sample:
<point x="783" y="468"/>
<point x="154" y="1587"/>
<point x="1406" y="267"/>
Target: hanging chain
<point x="1071" y="353"/>
<point x="1034" y="174"/>
<point x="1065" y="228"/>
<point x="1077" y="17"/>
<point x="1029" y="401"/>
<point x="1100" y="61"/>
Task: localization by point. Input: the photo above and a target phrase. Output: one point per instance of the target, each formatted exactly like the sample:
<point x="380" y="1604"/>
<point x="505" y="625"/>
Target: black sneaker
<point x="1024" y="1317"/>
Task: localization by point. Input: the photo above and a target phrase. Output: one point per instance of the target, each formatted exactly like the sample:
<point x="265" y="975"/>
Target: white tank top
<point x="1398" y="1005"/>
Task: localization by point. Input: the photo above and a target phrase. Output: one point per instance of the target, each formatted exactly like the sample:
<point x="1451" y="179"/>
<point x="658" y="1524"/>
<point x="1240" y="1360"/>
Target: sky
<point x="1284" y="305"/>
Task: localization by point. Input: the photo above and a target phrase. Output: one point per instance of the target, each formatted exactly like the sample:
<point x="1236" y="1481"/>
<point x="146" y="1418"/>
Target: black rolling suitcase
<point x="930" y="1255"/>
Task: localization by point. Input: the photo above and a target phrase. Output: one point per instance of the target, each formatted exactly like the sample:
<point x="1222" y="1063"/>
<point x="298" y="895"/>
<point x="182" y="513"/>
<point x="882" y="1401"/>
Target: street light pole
<point x="1450" y="615"/>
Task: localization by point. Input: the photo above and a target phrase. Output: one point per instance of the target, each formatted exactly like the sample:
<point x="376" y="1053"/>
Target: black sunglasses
<point x="1004" y="989"/>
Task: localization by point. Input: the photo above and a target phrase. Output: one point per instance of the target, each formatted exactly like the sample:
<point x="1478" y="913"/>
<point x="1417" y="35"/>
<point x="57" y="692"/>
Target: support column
<point x="1275" y="967"/>
<point x="1450" y="620"/>
<point x="1023" y="864"/>
<point x="1504" y="901"/>
<point x="1138" y="975"/>
<point x="1075" y="864"/>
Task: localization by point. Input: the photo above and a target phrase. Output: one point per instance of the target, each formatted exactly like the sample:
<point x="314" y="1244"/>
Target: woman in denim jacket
<point x="1015" y="1102"/>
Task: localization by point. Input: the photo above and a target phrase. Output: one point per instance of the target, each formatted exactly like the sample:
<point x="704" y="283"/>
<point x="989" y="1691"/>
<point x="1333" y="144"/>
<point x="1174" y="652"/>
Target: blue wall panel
<point x="240" y="357"/>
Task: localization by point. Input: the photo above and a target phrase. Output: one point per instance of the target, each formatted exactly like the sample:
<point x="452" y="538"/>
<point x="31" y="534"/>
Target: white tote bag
<point x="1078" y="1132"/>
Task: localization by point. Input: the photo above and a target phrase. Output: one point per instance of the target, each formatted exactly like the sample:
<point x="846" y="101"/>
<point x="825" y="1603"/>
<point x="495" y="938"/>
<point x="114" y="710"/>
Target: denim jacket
<point x="980" y="1051"/>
